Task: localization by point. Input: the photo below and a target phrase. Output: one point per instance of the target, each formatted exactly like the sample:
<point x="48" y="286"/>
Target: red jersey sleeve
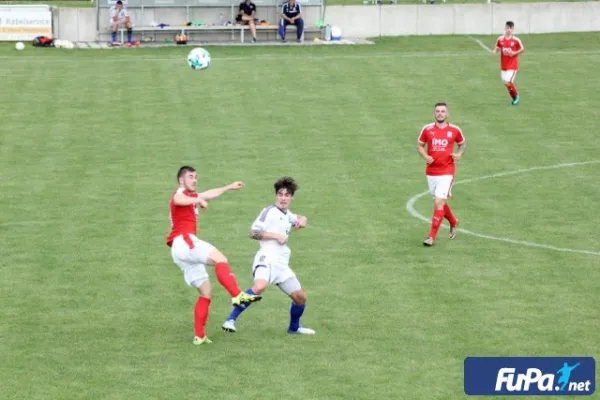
<point x="460" y="138"/>
<point x="184" y="192"/>
<point x="423" y="136"/>
<point x="518" y="44"/>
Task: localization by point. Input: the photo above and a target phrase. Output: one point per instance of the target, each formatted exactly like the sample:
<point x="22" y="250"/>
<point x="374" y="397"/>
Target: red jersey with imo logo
<point x="183" y="219"/>
<point x="507" y="46"/>
<point x="440" y="146"/>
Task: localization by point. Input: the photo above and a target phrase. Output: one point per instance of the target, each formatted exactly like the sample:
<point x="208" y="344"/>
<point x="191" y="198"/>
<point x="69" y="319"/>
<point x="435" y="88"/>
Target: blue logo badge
<point x="530" y="376"/>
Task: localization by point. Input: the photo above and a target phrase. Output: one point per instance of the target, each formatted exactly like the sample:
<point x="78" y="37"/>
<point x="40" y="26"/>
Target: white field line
<point x="483" y="46"/>
<point x="410" y="206"/>
<point x="283" y="57"/>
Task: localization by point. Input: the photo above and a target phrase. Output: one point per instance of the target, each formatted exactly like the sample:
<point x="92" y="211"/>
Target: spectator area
<point x="211" y="20"/>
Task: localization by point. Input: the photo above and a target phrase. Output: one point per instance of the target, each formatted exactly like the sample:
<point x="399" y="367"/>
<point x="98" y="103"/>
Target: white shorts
<point x="508" y="76"/>
<point x="270" y="269"/>
<point x="440" y="186"/>
<point x="192" y="262"/>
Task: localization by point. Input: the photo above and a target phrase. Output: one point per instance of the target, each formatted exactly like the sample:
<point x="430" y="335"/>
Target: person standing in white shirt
<point x="271" y="264"/>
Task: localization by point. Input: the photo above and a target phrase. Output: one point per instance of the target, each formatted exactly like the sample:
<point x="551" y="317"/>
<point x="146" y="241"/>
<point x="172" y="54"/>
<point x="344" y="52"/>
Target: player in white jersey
<point x="119" y="17"/>
<point x="272" y="261"/>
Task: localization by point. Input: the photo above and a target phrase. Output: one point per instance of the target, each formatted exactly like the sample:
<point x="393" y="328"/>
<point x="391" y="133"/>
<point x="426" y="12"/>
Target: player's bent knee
<point x="216" y="257"/>
<point x="205" y="293"/>
<point x="259" y="286"/>
<point x="299" y="297"/>
<point x="204" y="288"/>
<point x="291" y="287"/>
<point x="439" y="202"/>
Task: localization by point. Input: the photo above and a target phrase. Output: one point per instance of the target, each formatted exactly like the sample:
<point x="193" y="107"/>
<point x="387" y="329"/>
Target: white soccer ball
<point x="19" y="46"/>
<point x="198" y="59"/>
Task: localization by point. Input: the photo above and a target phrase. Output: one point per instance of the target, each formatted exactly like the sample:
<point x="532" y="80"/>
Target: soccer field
<point x="92" y="306"/>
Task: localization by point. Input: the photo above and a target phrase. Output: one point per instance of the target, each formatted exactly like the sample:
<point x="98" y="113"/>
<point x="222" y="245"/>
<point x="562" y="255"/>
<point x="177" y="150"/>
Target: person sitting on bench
<point x="291" y="14"/>
<point x="247" y="16"/>
<point x="119" y="17"/>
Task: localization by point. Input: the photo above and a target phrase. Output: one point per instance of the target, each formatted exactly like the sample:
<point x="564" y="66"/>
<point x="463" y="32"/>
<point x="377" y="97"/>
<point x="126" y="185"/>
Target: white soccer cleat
<point x="229" y="326"/>
<point x="303" y="331"/>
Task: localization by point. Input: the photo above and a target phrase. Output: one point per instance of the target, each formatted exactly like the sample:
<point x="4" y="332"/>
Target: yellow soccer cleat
<point x="205" y="340"/>
<point x="245" y="298"/>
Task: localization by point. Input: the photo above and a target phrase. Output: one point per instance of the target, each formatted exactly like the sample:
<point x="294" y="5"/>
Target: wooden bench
<point x="241" y="29"/>
<point x="179" y="29"/>
<point x="291" y="28"/>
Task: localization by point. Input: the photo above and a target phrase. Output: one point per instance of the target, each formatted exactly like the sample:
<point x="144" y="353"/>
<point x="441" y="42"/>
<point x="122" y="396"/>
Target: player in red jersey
<point x="436" y="146"/>
<point x="192" y="254"/>
<point x="509" y="47"/>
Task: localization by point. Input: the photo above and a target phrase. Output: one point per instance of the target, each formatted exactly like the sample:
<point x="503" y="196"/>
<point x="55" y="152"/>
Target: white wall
<point x="385" y="20"/>
<point x="75" y="24"/>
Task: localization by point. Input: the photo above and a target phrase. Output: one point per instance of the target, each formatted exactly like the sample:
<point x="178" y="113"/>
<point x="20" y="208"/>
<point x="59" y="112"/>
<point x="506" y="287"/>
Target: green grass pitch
<point x="92" y="307"/>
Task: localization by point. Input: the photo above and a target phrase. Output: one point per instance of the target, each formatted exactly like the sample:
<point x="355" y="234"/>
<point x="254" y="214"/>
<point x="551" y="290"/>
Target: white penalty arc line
<point x="483" y="46"/>
<point x="410" y="206"/>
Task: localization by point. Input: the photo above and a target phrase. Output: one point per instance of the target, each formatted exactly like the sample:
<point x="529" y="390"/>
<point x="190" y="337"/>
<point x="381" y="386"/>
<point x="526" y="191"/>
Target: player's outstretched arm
<point x="214" y="193"/>
<point x="183" y="200"/>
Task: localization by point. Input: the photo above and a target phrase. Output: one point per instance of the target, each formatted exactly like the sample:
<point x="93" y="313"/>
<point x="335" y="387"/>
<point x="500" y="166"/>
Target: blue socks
<point x="129" y="35"/>
<point x="296" y="312"/>
<point x="237" y="310"/>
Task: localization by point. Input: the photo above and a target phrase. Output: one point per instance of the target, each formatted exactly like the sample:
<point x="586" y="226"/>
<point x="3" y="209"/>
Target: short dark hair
<point x="119" y="2"/>
<point x="510" y="24"/>
<point x="183" y="170"/>
<point x="440" y="103"/>
<point x="286" y="183"/>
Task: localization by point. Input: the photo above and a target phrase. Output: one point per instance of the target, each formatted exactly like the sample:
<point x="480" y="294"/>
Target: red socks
<point x="227" y="279"/>
<point x="449" y="216"/>
<point x="436" y="221"/>
<point x="201" y="315"/>
<point x="512" y="90"/>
